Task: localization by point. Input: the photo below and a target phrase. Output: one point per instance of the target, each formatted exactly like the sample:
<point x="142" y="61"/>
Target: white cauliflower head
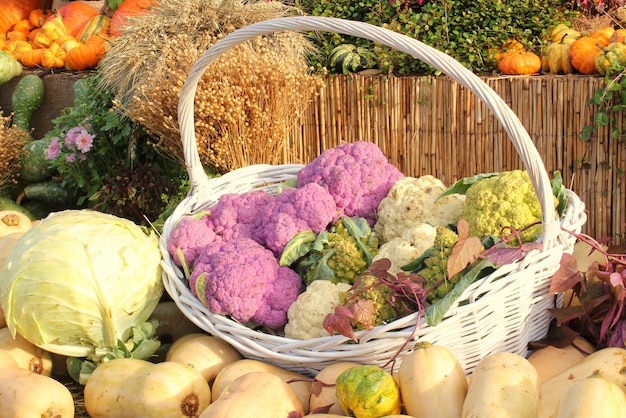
<point x="413" y="201"/>
<point x="406" y="248"/>
<point x="306" y="315"/>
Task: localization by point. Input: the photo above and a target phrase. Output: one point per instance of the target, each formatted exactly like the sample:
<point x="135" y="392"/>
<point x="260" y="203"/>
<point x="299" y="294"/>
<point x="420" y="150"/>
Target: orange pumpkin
<point x="129" y="8"/>
<point x="603" y="35"/>
<point x="75" y="16"/>
<point x="520" y="63"/>
<point x="15" y="35"/>
<point x="512" y="45"/>
<point x="87" y="55"/>
<point x="583" y="53"/>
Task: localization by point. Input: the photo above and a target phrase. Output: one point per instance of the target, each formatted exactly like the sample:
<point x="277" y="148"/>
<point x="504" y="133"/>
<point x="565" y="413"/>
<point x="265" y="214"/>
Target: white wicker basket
<point x="503" y="311"/>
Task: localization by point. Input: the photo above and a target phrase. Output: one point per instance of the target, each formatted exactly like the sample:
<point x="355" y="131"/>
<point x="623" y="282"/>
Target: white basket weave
<point x="502" y="312"/>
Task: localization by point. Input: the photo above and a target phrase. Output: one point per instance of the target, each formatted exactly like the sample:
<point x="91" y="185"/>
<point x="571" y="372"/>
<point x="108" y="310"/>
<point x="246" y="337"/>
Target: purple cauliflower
<point x="357" y="175"/>
<point x="242" y="279"/>
<point x="234" y="215"/>
<point x="308" y="208"/>
<point x="190" y="236"/>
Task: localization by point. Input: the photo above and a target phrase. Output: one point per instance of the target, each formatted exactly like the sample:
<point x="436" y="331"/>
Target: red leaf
<point x="340" y="322"/>
<point x="567" y="276"/>
<point x="363" y="311"/>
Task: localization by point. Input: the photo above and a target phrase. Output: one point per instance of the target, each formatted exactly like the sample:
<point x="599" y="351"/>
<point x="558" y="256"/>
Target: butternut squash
<point x="592" y="397"/>
<point x="432" y="382"/>
<point x="205" y="353"/>
<point x="502" y="385"/>
<point x="26" y="394"/>
<point x="258" y="395"/>
<point x="130" y="388"/>
<point x="327" y="395"/>
<point x="550" y="361"/>
<point x="608" y="363"/>
<point x="301" y="385"/>
<point x="27" y="355"/>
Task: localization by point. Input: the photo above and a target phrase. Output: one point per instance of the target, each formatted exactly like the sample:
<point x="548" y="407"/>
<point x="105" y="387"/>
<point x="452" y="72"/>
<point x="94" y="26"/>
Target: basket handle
<point x="446" y="64"/>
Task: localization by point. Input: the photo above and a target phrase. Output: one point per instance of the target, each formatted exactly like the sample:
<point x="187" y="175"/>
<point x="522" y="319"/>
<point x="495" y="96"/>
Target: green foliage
<point x="611" y="102"/>
<point x="465" y="30"/>
<point x="108" y="160"/>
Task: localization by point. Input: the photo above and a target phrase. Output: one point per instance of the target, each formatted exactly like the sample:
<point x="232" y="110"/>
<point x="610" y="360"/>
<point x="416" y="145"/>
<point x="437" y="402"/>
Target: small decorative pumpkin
<point x="97" y="25"/>
<point x="38" y="17"/>
<point x="510" y="46"/>
<point x="368" y="391"/>
<point x="87" y="55"/>
<point x="583" y="53"/>
<point x="51" y="31"/>
<point x="53" y="57"/>
<point x="348" y="58"/>
<point x="557" y="58"/>
<point x="560" y="30"/>
<point x="520" y="63"/>
<point x="618" y="36"/>
<point x="31" y="58"/>
<point x="612" y="59"/>
<point x="24" y="26"/>
<point x="12" y="221"/>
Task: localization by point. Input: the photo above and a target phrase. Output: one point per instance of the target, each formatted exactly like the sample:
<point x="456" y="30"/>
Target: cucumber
<point x="8" y="204"/>
<point x="27" y="97"/>
<point x="35" y="164"/>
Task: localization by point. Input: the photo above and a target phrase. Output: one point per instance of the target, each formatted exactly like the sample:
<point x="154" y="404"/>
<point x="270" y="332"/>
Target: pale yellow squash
<point x="550" y="361"/>
<point x="502" y="385"/>
<point x="25" y="394"/>
<point x="432" y="382"/>
<point x="592" y="397"/>
<point x="131" y="388"/>
<point x="327" y="395"/>
<point x="256" y="395"/>
<point x="205" y="353"/>
<point x="299" y="383"/>
<point x="27" y="355"/>
<point x="608" y="363"/>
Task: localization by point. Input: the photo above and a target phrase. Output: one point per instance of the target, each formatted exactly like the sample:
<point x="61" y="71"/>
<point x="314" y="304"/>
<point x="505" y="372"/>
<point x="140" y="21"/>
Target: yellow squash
<point x="502" y="385"/>
<point x="592" y="397"/>
<point x="131" y="388"/>
<point x="432" y="382"/>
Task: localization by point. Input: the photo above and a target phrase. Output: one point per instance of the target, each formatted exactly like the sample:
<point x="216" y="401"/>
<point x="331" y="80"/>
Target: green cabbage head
<point x="78" y="281"/>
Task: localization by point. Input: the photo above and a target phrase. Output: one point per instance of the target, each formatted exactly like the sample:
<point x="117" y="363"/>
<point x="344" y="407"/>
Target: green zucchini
<point x="26" y="99"/>
<point x="35" y="164"/>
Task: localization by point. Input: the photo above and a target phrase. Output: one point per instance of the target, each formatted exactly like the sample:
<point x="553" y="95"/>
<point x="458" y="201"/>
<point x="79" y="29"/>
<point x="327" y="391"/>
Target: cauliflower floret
<point x="507" y="199"/>
<point x="242" y="279"/>
<point x="408" y="247"/>
<point x="357" y="175"/>
<point x="413" y="201"/>
<point x="307" y="313"/>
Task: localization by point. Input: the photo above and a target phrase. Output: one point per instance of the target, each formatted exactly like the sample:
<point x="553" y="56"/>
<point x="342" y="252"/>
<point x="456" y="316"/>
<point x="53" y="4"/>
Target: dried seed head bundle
<point x="12" y="141"/>
<point x="245" y="102"/>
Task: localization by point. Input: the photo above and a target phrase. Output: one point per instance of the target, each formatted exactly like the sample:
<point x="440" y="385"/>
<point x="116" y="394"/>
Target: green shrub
<point x="465" y="30"/>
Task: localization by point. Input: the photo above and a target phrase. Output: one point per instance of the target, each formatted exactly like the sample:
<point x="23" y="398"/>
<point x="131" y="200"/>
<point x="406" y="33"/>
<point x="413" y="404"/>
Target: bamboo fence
<point x="433" y="125"/>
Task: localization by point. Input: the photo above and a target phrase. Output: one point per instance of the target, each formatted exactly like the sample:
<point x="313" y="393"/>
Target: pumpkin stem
<point x="563" y="38"/>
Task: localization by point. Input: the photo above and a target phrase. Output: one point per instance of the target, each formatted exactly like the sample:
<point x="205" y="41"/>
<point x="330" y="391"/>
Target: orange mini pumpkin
<point x="520" y="63"/>
<point x="87" y="55"/>
<point x="583" y="53"/>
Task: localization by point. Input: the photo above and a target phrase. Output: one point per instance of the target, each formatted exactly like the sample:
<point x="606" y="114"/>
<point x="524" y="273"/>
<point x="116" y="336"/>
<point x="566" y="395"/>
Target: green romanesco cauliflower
<point x="339" y="254"/>
<point x="305" y="316"/>
<point x="370" y="287"/>
<point x="507" y="199"/>
<point x="432" y="266"/>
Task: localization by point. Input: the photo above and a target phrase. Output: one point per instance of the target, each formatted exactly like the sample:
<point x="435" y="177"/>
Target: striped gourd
<point x="348" y="58"/>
